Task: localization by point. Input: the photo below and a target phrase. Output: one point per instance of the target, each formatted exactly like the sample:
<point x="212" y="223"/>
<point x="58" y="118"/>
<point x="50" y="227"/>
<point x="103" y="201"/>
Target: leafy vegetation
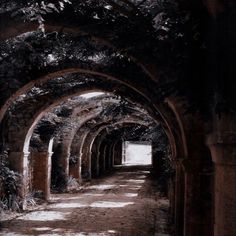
<point x="10" y="183"/>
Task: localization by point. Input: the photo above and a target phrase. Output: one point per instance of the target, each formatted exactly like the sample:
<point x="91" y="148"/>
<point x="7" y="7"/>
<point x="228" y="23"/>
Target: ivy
<point x="10" y="184"/>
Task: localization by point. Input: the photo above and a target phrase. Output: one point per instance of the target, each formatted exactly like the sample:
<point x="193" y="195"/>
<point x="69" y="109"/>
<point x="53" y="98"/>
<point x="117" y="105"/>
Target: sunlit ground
<point x="104" y="198"/>
<point x="46" y="231"/>
<point x="110" y="204"/>
<point x="44" y="216"/>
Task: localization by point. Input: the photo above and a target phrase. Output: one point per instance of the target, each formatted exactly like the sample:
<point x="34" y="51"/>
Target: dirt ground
<point x="125" y="203"/>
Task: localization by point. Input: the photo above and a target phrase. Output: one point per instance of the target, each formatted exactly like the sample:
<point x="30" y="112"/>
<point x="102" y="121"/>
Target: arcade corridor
<point x="79" y="79"/>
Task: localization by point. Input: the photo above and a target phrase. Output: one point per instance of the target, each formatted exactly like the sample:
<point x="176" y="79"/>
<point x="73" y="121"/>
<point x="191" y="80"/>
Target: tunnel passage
<point x="160" y="72"/>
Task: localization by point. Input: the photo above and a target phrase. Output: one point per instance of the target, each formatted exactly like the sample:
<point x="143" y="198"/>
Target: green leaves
<point x="9" y="185"/>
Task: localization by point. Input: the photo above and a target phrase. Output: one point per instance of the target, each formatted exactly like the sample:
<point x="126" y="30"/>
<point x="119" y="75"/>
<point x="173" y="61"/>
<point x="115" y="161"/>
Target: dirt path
<point x="125" y="203"/>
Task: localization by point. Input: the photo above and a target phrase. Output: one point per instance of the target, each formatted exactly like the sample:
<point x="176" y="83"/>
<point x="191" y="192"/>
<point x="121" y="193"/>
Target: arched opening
<point x="83" y="83"/>
<point x="137" y="153"/>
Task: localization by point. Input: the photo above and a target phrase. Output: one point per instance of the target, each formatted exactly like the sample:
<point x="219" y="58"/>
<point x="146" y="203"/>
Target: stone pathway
<point x="126" y="203"/>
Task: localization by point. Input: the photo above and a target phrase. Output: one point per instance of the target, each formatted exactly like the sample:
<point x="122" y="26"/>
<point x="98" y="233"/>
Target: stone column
<point x="118" y="153"/>
<point x="103" y="156"/>
<point x="42" y="172"/>
<point x="18" y="162"/>
<point x="223" y="151"/>
<point x="179" y="199"/>
<point x="197" y="217"/>
<point x="64" y="161"/>
<point x="97" y="163"/>
<point x="106" y="161"/>
<point x="75" y="168"/>
<point x="109" y="156"/>
<point x="86" y="164"/>
<point x="113" y="154"/>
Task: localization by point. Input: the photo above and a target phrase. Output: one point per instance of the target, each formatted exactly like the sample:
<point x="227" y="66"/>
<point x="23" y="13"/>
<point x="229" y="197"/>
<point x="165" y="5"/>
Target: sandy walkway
<point x="125" y="203"/>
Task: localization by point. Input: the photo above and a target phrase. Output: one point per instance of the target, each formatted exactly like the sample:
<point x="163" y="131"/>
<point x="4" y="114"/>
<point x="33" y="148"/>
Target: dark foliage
<point x="9" y="186"/>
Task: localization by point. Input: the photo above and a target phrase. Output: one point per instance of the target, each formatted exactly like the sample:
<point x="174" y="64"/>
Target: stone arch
<point x="88" y="139"/>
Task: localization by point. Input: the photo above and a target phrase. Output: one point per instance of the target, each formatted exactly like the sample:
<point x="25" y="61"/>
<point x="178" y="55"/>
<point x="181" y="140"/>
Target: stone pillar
<point x="64" y="161"/>
<point x="109" y="156"/>
<point x="179" y="199"/>
<point x="197" y="217"/>
<point x="106" y="161"/>
<point x="118" y="153"/>
<point x="171" y="197"/>
<point x="75" y="168"/>
<point x="93" y="163"/>
<point x="86" y="164"/>
<point x="97" y="163"/>
<point x="18" y="162"/>
<point x="223" y="151"/>
<point x="113" y="155"/>
<point x="103" y="156"/>
<point x="42" y="172"/>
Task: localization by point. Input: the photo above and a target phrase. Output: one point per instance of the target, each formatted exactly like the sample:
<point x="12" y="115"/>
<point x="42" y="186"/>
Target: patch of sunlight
<point x="138" y="181"/>
<point x="112" y="231"/>
<point x="94" y="194"/>
<point x="130" y="194"/>
<point x="137" y="187"/>
<point x="109" y="7"/>
<point x="104" y="233"/>
<point x="64" y="198"/>
<point x="102" y="186"/>
<point x="69" y="233"/>
<point x="10" y="234"/>
<point x="141" y="177"/>
<point x="67" y="205"/>
<point x="51" y="234"/>
<point x="44" y="216"/>
<point x="145" y="171"/>
<point x="58" y="230"/>
<point x="107" y="204"/>
<point x="42" y="228"/>
<point x="92" y="94"/>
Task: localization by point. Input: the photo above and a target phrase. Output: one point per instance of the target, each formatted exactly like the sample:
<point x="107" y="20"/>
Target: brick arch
<point x="68" y="71"/>
<point x="14" y="28"/>
<point x="62" y="69"/>
<point x="100" y="141"/>
<point x="174" y="107"/>
<point x="44" y="155"/>
<point x="37" y="109"/>
<point x="17" y="139"/>
<point x="90" y="137"/>
<point x="49" y="76"/>
<point x="96" y="150"/>
<point x="16" y="143"/>
<point x="21" y="155"/>
<point x="103" y="124"/>
<point x="89" y="112"/>
<point x="68" y="148"/>
<point x="115" y="128"/>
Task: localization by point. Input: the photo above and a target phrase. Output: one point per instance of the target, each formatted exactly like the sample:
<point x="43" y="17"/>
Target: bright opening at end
<point x="137" y="153"/>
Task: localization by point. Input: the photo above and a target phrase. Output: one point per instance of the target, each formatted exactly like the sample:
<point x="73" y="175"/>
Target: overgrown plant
<point x="9" y="186"/>
<point x="72" y="184"/>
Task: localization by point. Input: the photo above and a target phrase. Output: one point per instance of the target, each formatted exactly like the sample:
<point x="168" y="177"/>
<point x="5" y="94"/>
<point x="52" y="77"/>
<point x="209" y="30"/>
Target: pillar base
<point x="223" y="150"/>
